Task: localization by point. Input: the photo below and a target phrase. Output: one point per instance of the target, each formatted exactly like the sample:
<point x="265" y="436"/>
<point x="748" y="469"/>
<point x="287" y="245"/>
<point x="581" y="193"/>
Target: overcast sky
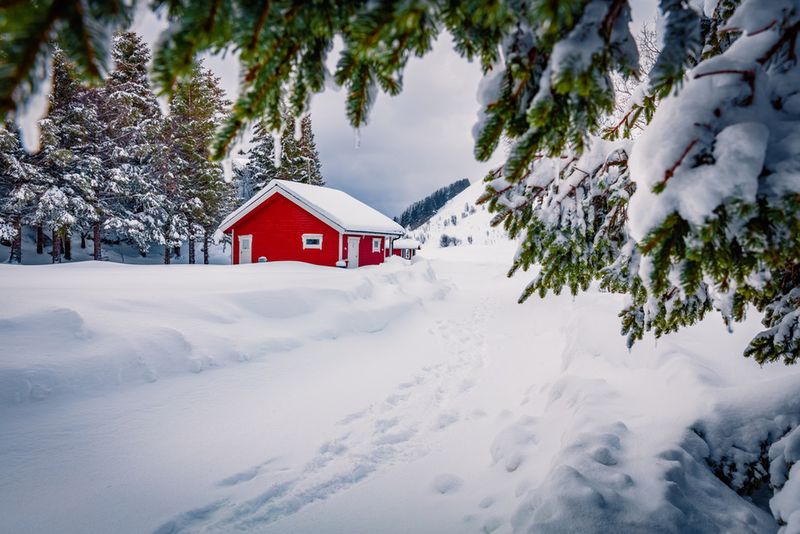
<point x="414" y="143"/>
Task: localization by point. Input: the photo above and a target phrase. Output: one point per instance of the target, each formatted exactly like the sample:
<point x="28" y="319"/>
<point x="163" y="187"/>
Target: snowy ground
<point x="405" y="397"/>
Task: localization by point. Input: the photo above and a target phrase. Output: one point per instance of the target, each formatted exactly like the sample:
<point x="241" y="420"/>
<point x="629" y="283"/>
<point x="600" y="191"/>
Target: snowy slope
<point x="409" y="397"/>
<point x="463" y="222"/>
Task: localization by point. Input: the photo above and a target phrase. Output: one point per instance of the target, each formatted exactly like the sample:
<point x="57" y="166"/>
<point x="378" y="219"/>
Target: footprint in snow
<point x="444" y="420"/>
<point x="246" y="475"/>
<point x="486" y="502"/>
<point x="393" y="438"/>
<point x="446" y="483"/>
<point x="382" y="425"/>
<point x="395" y="399"/>
<point x="353" y="417"/>
<point x="491" y="524"/>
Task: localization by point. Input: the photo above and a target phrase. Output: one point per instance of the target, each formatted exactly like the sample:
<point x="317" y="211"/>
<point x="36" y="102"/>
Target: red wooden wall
<point x="277" y="226"/>
<point x="365" y="254"/>
<point x="399" y="252"/>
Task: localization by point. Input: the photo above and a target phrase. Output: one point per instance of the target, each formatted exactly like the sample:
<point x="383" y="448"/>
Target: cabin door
<point x="245" y="249"/>
<point x="352" y="252"/>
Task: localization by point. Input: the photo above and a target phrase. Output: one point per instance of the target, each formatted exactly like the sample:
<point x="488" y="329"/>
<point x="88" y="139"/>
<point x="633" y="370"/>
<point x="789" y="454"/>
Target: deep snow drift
<point x="413" y="396"/>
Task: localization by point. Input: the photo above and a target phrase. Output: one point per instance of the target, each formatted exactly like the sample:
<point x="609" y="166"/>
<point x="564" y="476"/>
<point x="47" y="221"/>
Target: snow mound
<point x="118" y="325"/>
<point x="281" y="397"/>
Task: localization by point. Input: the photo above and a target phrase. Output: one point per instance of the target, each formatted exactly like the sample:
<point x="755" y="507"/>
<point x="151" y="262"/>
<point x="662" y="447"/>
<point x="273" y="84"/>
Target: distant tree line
<point x="420" y="212"/>
<point x="112" y="167"/>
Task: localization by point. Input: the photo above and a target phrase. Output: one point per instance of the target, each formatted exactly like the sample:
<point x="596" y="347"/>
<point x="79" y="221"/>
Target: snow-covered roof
<point x="406" y="243"/>
<point x="333" y="206"/>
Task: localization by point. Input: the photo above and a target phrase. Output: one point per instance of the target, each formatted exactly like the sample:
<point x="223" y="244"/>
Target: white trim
<point x="341" y="248"/>
<point x="306" y="245"/>
<point x="376" y="241"/>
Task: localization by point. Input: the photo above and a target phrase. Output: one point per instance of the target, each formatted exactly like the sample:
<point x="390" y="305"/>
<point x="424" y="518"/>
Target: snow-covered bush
<point x="753" y="445"/>
<point x="448" y="241"/>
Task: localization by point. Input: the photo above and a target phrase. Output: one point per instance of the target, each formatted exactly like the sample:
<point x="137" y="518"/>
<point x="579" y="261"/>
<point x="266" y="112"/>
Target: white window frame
<point x="306" y="245"/>
<point x="376" y="244"/>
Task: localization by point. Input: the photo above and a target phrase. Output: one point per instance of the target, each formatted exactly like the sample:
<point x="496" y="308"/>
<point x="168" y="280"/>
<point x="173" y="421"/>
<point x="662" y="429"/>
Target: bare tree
<point x="628" y="89"/>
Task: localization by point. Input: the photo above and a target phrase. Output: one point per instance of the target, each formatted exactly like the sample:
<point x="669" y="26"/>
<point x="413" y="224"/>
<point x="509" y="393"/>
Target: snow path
<point x="401" y="398"/>
<point x="377" y="436"/>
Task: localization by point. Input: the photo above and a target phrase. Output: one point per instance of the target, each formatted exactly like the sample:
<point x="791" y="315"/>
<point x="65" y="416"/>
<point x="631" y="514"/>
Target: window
<point x="312" y="241"/>
<point x="376" y="244"/>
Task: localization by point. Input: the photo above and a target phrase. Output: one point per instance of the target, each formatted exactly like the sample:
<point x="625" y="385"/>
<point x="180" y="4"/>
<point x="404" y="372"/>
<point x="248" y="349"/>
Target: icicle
<point x="356" y="138"/>
<point x="227" y="169"/>
<point x="29" y="114"/>
<point x="330" y="81"/>
<point x="298" y="128"/>
<point x="277" y="148"/>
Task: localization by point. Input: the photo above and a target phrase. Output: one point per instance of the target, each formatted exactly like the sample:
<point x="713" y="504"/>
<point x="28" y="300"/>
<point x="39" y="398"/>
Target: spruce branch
<point x="670" y="172"/>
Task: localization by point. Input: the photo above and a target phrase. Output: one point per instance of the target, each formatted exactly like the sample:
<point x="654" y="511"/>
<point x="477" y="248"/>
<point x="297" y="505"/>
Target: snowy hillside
<point x="461" y="222"/>
<point x="409" y="397"/>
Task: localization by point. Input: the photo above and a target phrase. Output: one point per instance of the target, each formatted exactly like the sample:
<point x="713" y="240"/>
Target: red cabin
<point x="290" y="221"/>
<point x="405" y="248"/>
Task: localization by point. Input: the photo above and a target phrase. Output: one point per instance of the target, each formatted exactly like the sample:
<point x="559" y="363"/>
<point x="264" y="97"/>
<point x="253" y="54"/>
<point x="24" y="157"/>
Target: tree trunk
<point x="191" y="247"/>
<point x="39" y="240"/>
<point x="167" y="251"/>
<point x="67" y="239"/>
<point x="56" y="247"/>
<point x="16" y="244"/>
<point x="205" y="246"/>
<point x="83" y="239"/>
<point x="96" y="232"/>
<point x="177" y="251"/>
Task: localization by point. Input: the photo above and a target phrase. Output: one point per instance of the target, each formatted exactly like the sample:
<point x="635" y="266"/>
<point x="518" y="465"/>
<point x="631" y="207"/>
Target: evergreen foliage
<point x="196" y="189"/>
<point x="134" y="122"/>
<point x="72" y="158"/>
<point x="18" y="177"/>
<point x="421" y="211"/>
<point x="283" y="48"/>
<point x="704" y="215"/>
<point x="111" y="167"/>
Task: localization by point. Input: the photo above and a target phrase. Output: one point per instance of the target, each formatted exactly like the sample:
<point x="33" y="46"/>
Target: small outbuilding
<point x="405" y="247"/>
<point x="290" y="221"/>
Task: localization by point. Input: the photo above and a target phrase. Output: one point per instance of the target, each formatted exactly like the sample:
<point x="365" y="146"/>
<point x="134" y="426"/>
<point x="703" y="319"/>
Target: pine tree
<point x="133" y="128"/>
<point x="18" y="177"/>
<point x="260" y="168"/>
<point x="298" y="160"/>
<point x="310" y="153"/>
<point x="71" y="159"/>
<point x="196" y="108"/>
